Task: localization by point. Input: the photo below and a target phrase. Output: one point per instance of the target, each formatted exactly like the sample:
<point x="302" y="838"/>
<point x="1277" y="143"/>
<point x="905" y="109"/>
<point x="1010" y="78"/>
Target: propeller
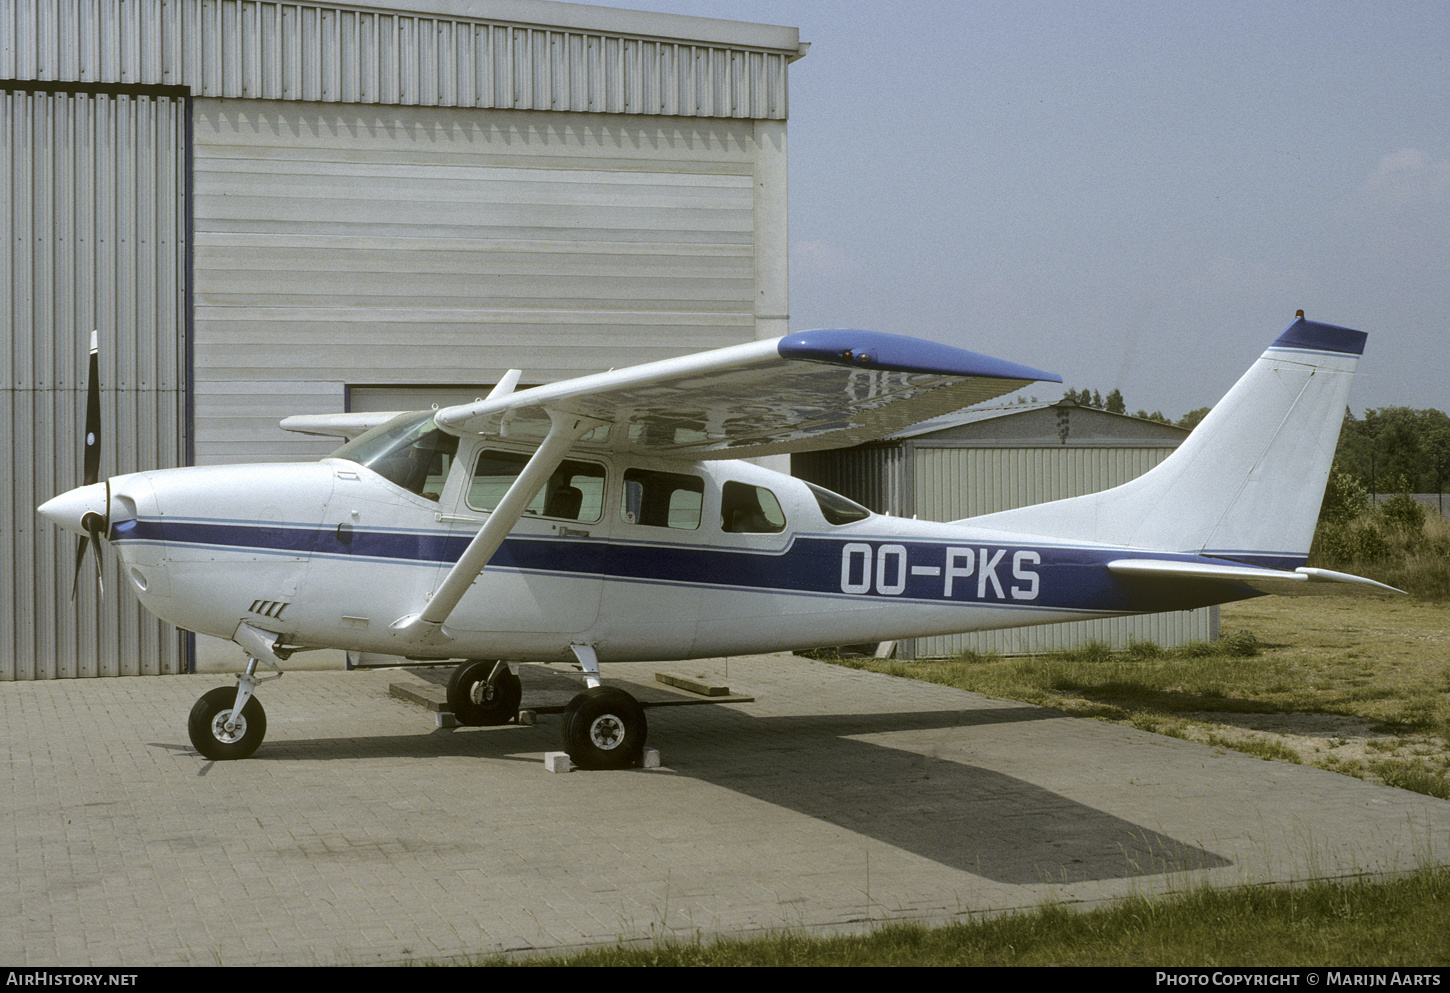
<point x="95" y="524"/>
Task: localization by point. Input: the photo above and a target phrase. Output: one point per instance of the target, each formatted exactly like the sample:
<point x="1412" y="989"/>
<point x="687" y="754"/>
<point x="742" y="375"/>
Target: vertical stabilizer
<point x="1247" y="483"/>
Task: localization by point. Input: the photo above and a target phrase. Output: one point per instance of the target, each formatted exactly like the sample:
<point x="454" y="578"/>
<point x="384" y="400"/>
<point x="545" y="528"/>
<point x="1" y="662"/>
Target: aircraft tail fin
<point x="1246" y="485"/>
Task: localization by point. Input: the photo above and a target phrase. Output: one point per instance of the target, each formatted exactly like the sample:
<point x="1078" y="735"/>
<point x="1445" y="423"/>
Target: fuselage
<point x="640" y="559"/>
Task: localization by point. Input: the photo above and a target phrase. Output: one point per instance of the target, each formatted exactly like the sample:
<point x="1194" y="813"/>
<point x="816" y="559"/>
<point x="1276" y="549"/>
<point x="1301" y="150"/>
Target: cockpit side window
<point x="574" y="492"/>
<point x="746" y="509"/>
<point x="408" y="451"/>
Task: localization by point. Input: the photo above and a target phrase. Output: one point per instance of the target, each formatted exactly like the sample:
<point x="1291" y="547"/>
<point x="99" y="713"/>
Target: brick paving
<point x="359" y="833"/>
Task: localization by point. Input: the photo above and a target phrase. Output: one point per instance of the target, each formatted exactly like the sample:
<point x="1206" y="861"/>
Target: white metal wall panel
<point x="953" y="483"/>
<point x="92" y="209"/>
<point x="261" y="49"/>
<point x="426" y="245"/>
<point x="231" y="416"/>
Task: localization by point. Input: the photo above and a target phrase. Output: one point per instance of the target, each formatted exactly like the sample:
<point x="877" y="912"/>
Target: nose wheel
<point x="221" y="734"/>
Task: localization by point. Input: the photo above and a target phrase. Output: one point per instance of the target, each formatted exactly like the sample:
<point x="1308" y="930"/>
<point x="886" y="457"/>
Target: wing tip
<point x="901" y="353"/>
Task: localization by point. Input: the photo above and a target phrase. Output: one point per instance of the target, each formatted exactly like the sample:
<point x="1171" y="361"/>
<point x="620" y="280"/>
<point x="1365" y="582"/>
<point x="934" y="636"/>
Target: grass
<point x="1359" y="686"/>
<point x="1397" y="922"/>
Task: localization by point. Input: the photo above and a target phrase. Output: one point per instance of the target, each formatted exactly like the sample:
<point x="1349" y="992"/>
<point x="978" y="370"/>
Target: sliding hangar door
<point x="279" y="208"/>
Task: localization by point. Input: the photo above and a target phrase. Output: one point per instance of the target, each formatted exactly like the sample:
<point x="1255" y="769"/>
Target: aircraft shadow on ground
<point x="962" y="816"/>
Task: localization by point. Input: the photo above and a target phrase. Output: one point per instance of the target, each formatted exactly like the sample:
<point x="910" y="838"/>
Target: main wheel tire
<point x="207" y="725"/>
<point x="477" y="704"/>
<point x="604" y="728"/>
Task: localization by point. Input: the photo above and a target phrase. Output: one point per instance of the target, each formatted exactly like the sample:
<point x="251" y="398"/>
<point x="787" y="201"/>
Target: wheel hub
<point x="606" y="732"/>
<point x="227" y="736"/>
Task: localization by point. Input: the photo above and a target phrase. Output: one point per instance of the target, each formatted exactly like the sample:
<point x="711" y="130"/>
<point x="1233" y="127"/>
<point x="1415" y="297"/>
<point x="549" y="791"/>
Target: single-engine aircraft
<point x="610" y="518"/>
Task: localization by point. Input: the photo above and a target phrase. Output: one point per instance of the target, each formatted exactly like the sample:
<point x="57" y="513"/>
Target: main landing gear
<point x="604" y="727"/>
<point x="484" y="694"/>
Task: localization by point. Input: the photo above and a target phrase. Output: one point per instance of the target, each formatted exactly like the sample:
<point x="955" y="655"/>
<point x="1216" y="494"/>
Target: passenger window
<point x="662" y="499"/>
<point x="574" y="492"/>
<point x="746" y="509"/>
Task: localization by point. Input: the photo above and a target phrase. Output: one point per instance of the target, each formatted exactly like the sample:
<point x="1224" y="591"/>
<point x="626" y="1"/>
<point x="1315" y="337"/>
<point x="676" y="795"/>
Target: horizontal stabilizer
<point x="1303" y="581"/>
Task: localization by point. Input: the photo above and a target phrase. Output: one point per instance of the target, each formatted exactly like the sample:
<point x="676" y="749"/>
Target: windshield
<point x="409" y="451"/>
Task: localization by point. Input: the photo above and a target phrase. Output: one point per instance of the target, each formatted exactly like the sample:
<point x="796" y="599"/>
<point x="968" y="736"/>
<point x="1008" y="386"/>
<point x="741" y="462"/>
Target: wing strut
<point x="427" y="625"/>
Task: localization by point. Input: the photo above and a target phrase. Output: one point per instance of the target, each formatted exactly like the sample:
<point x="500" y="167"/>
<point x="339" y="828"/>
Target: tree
<point x="1396" y="443"/>
<point x="1190" y="420"/>
<point x="1115" y="404"/>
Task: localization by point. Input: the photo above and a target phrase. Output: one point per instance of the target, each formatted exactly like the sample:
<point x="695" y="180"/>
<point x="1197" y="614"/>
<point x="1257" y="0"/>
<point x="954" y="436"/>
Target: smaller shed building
<point x="988" y="459"/>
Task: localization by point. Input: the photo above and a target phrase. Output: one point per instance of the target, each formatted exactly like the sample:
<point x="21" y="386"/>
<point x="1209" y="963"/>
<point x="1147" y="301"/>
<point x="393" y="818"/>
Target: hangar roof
<point x="1037" y="424"/>
<point x="497" y="54"/>
<point x="606" y="20"/>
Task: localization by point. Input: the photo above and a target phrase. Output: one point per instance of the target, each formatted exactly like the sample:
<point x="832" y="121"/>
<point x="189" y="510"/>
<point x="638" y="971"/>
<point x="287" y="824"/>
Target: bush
<point x="1399" y="543"/>
<point x="1405" y="516"/>
<point x="1345" y="498"/>
<point x="1240" y="644"/>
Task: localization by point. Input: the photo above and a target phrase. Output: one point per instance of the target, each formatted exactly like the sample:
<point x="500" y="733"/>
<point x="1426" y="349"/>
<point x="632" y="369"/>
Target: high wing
<point x="806" y="391"/>
<point x="817" y="389"/>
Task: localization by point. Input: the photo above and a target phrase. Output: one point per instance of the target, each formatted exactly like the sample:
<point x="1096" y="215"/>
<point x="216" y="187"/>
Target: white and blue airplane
<point x="609" y="518"/>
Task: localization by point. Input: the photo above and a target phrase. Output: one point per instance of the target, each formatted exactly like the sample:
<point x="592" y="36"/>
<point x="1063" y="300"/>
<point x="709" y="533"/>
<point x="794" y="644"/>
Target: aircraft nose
<point x="69" y="510"/>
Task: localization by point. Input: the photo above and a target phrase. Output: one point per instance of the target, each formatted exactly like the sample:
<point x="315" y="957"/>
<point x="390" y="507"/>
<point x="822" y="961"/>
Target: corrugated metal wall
<point x="351" y="245"/>
<point x="257" y="49"/>
<point x="1115" y="632"/>
<point x="92" y="220"/>
<point x="953" y="483"/>
<point x="878" y="477"/>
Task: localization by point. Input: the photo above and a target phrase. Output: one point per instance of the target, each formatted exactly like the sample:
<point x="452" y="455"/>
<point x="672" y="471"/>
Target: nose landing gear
<point x="219" y="732"/>
<point x="226" y="723"/>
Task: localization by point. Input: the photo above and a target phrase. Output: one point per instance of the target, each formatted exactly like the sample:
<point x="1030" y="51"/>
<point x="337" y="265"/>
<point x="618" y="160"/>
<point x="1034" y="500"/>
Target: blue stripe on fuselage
<point x="1039" y="576"/>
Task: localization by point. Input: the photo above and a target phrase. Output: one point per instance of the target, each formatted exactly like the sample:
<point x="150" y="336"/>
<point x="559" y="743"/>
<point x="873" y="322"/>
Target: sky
<point x="1136" y="195"/>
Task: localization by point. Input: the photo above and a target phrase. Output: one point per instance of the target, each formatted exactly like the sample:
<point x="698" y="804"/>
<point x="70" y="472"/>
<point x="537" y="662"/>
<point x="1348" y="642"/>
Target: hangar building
<point x="987" y="459"/>
<point x="270" y="208"/>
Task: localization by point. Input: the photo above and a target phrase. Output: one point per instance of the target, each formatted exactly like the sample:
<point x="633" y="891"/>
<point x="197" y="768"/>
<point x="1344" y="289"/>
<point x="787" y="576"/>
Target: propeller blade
<point x="80" y="561"/>
<point x="97" y="525"/>
<point x="93" y="525"/>
<point x="93" y="416"/>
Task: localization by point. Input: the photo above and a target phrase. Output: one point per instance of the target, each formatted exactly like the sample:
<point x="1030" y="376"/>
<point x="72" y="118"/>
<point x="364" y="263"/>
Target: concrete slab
<point x="358" y="833"/>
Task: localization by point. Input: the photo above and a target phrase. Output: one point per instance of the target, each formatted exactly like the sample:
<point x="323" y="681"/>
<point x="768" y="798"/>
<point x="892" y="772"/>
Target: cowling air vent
<point x="268" y="608"/>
